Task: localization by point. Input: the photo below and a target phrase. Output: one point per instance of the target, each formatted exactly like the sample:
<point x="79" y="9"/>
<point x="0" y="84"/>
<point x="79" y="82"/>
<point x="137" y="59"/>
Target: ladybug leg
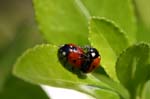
<point x="72" y="69"/>
<point x="82" y="75"/>
<point x="75" y="70"/>
<point x="65" y="63"/>
<point x="63" y="60"/>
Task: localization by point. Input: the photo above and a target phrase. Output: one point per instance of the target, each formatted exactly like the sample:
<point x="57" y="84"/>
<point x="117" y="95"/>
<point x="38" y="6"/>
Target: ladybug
<point x="84" y="59"/>
<point x="72" y="54"/>
<point x="91" y="61"/>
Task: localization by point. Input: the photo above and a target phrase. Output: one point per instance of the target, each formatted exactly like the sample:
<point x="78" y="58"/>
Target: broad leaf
<point x="133" y="67"/>
<point x="40" y="65"/>
<point x="109" y="40"/>
<point x="63" y="21"/>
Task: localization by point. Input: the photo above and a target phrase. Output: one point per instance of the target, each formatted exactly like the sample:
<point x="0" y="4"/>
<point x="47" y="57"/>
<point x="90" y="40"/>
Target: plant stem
<point x="136" y="92"/>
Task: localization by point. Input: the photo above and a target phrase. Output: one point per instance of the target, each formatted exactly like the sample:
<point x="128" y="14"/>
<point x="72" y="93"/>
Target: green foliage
<point x="25" y="38"/>
<point x="46" y="69"/>
<point x="135" y="62"/>
<point x="133" y="68"/>
<point x="112" y="30"/>
<point x="104" y="35"/>
<point x="59" y="20"/>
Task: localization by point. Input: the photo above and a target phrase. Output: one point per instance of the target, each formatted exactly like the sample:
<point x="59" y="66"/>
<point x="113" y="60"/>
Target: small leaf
<point x="109" y="40"/>
<point x="133" y="67"/>
<point x="40" y="65"/>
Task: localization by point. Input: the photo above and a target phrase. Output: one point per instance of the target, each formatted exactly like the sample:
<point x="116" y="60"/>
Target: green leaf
<point x="63" y="21"/>
<point x="40" y="65"/>
<point x="109" y="40"/>
<point x="105" y="94"/>
<point x="122" y="13"/>
<point x="133" y="68"/>
<point x="114" y="86"/>
<point x="15" y="88"/>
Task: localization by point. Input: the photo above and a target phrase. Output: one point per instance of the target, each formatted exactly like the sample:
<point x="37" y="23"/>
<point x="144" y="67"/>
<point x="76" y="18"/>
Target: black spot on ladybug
<point x="93" y="66"/>
<point x="74" y="61"/>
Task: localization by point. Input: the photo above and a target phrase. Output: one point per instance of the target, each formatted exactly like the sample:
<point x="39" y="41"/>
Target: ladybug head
<point x="93" y="53"/>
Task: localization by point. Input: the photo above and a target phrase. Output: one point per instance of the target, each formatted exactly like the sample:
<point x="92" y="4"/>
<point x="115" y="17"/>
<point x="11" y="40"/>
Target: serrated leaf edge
<point x="28" y="51"/>
<point x="115" y="26"/>
<point x="133" y="45"/>
<point x="121" y="31"/>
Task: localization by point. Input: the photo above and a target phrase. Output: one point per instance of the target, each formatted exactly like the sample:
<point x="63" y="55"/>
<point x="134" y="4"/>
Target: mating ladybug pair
<point x="85" y="59"/>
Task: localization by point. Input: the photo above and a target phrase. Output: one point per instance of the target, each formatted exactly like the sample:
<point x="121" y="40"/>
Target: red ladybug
<point x="72" y="54"/>
<point x="91" y="61"/>
<point x="85" y="59"/>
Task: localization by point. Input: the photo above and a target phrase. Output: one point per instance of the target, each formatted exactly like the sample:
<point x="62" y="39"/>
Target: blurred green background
<point x="18" y="31"/>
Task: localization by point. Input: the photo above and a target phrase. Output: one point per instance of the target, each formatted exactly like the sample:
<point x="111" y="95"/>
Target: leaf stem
<point x="136" y="91"/>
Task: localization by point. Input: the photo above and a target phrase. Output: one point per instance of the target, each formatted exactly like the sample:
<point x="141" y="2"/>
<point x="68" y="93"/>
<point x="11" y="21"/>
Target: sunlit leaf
<point x="40" y="65"/>
<point x="67" y="21"/>
<point x="109" y="40"/>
